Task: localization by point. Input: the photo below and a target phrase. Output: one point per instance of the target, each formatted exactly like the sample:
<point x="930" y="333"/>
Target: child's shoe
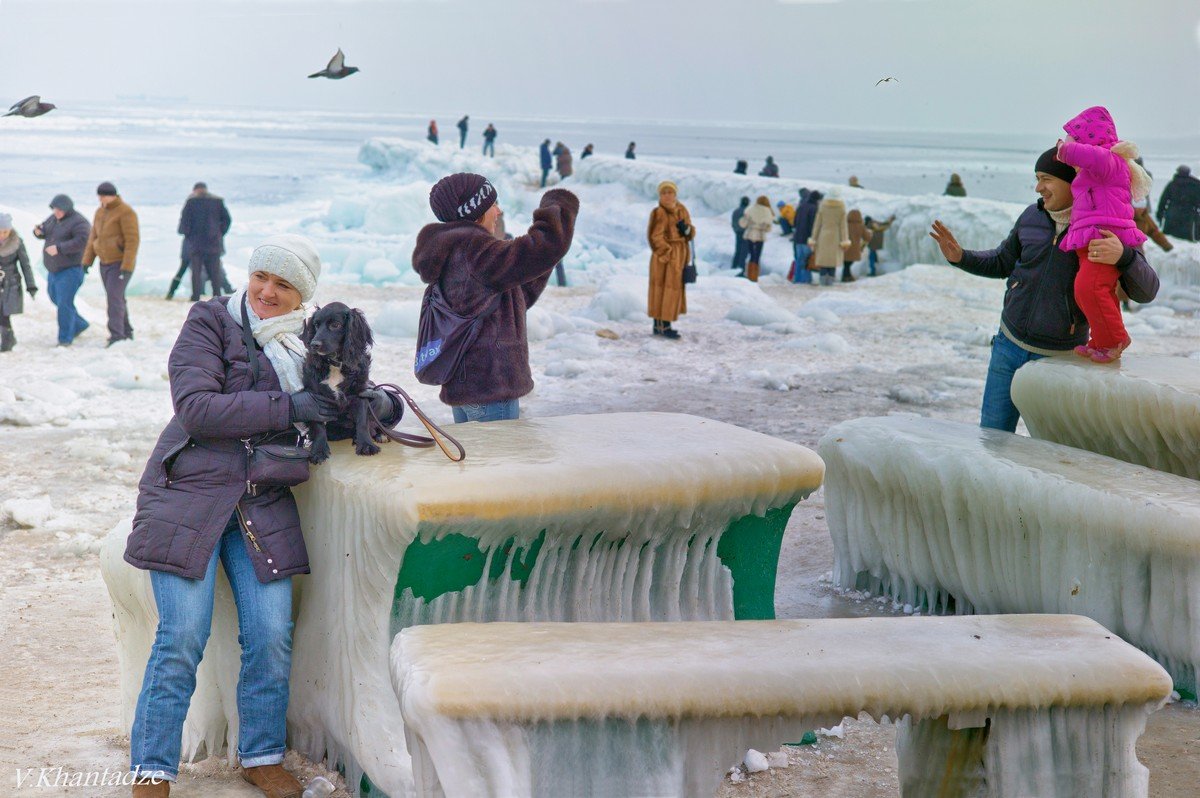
<point x="1085" y="350"/>
<point x="1110" y="354"/>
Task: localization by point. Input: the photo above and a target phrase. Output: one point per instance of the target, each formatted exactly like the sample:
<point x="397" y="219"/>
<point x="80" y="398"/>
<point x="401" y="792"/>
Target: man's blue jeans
<point x="801" y="274"/>
<point x="492" y="411"/>
<point x="872" y="259"/>
<point x="62" y="287"/>
<point x="999" y="412"/>
<point x="741" y="251"/>
<point x="185" y="608"/>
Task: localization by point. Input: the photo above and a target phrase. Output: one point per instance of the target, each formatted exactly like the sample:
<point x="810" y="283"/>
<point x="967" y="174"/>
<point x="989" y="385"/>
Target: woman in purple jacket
<point x="194" y="509"/>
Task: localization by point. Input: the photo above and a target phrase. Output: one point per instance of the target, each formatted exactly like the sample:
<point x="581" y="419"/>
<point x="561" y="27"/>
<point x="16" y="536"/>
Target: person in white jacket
<point x="757" y="221"/>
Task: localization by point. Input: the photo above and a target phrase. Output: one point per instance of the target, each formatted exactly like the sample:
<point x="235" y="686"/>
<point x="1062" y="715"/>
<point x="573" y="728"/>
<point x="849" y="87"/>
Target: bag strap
<point x="408" y="439"/>
<point x="248" y="338"/>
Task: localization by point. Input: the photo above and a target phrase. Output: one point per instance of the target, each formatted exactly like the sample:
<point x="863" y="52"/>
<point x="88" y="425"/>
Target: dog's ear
<point x="356" y="339"/>
<point x="307" y="333"/>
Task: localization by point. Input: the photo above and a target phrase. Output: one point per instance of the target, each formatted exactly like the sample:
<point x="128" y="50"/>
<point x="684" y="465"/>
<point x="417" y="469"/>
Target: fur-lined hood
<point x="10" y="244"/>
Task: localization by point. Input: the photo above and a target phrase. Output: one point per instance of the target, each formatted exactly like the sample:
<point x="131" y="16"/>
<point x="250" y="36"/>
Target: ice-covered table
<point x="951" y="517"/>
<point x="1002" y="706"/>
<point x="1141" y="409"/>
<point x="622" y="517"/>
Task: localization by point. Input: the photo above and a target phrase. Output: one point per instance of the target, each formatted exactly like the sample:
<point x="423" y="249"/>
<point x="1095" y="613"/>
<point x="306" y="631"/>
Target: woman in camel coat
<point x="830" y="235"/>
<point x="669" y="232"/>
<point x="860" y="236"/>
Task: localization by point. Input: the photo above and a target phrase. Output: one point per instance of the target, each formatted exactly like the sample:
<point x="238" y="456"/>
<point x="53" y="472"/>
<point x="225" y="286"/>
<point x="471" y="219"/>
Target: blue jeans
<point x="62" y="287"/>
<point x="492" y="411"/>
<point x="185" y="609"/>
<point x="489" y="148"/>
<point x="801" y="274"/>
<point x="998" y="411"/>
<point x="872" y="259"/>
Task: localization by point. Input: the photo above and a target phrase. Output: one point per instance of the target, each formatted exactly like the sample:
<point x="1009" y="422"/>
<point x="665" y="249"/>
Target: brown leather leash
<point x="408" y="439"/>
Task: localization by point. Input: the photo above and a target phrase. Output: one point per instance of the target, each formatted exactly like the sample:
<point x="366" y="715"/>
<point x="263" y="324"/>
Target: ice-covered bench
<point x="1144" y="410"/>
<point x="622" y="517"/>
<point x="955" y="518"/>
<point x="1003" y="706"/>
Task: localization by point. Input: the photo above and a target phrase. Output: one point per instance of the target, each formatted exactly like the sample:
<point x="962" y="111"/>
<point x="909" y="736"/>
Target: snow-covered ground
<point x="76" y="424"/>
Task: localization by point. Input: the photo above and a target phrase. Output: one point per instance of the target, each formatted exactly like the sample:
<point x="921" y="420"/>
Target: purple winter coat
<point x="196" y="476"/>
<point x="472" y="266"/>
<point x="1102" y="198"/>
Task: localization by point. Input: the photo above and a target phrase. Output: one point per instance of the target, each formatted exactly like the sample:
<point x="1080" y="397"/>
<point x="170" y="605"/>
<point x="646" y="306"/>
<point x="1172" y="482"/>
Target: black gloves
<point x="382" y="404"/>
<point x="126" y="274"/>
<point x="309" y="406"/>
<point x="683" y="228"/>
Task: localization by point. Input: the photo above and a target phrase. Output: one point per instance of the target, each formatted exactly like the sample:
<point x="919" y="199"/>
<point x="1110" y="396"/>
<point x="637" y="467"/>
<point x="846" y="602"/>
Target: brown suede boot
<point x="145" y="788"/>
<point x="274" y="781"/>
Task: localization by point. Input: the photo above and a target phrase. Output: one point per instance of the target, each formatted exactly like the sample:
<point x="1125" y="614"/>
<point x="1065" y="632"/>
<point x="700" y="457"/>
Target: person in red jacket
<point x="471" y="267"/>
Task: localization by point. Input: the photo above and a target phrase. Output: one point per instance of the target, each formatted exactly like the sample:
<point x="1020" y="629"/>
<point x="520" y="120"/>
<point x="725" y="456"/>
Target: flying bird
<point x="337" y="68"/>
<point x="30" y="107"/>
<point x="887" y="80"/>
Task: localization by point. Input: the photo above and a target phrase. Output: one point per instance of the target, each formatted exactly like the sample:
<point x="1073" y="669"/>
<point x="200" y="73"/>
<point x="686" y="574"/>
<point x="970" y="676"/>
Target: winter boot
<point x="7" y="339"/>
<point x="658" y="327"/>
<point x="146" y="788"/>
<point x="274" y="781"/>
<point x="847" y="277"/>
<point x="752" y="271"/>
<point x="667" y="332"/>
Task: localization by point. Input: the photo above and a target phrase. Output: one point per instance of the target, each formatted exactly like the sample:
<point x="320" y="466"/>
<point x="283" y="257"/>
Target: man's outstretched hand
<point x="946" y="242"/>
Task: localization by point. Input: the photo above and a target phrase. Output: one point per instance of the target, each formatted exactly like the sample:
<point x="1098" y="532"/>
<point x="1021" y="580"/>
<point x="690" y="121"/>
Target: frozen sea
<point x="77" y="424"/>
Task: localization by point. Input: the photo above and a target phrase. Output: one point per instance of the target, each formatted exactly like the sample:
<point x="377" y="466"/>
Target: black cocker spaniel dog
<point x="338" y="365"/>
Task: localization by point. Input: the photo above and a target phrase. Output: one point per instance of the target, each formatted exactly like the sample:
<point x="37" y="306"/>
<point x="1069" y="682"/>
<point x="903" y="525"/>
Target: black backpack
<point x="443" y="336"/>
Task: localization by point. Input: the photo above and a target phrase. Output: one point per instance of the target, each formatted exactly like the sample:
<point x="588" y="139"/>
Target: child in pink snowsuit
<point x="1103" y="191"/>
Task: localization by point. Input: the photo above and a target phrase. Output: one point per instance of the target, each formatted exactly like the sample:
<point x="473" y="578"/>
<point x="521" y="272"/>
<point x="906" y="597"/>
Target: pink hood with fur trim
<point x="1102" y="190"/>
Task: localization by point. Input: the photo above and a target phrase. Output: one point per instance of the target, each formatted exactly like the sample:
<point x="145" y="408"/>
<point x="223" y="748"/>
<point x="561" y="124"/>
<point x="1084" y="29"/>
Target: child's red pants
<point x="1096" y="295"/>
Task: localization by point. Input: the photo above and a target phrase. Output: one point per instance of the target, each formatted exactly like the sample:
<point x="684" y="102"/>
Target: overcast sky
<point x="996" y="65"/>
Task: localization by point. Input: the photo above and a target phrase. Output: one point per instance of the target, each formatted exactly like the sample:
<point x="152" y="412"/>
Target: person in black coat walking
<point x="1179" y="206"/>
<point x="203" y="225"/>
<point x="802" y="226"/>
<point x="14" y="263"/>
<point x="65" y="233"/>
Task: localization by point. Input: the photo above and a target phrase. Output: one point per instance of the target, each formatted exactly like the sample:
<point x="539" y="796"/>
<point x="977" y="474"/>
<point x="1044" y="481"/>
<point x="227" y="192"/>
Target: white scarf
<point x="279" y="338"/>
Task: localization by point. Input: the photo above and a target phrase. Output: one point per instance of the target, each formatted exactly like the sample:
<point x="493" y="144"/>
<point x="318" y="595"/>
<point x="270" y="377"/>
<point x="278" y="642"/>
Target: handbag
<point x="689" y="270"/>
<point x="274" y="459"/>
<point x="444" y="336"/>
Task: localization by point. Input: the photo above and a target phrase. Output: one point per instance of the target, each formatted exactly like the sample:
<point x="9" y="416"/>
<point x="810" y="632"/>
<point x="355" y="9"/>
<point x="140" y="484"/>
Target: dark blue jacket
<point x="544" y="152"/>
<point x="203" y="224"/>
<point x="1179" y="208"/>
<point x="70" y="236"/>
<point x="1039" y="305"/>
<point x="738" y="213"/>
<point x="806" y="214"/>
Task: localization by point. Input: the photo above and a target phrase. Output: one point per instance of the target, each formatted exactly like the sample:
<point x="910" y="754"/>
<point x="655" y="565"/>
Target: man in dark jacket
<point x="802" y="225"/>
<point x="462" y="132"/>
<point x="546" y="161"/>
<point x="1040" y="317"/>
<point x="65" y="232"/>
<point x="1179" y="206"/>
<point x="770" y="168"/>
<point x="471" y="268"/>
<point x="740" y="250"/>
<point x="203" y="225"/>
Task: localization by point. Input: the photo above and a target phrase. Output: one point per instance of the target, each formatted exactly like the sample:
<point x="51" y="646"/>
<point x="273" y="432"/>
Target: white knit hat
<point x="292" y="257"/>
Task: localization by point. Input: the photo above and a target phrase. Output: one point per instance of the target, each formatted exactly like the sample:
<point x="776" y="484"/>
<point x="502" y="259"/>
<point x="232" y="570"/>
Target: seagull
<point x="30" y="107"/>
<point x="887" y="80"/>
<point x="337" y="68"/>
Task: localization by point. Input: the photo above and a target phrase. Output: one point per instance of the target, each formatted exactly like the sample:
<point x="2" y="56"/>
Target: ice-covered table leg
<point x="949" y="517"/>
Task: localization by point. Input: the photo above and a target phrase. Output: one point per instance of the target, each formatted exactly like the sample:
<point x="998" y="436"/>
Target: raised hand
<point x="947" y="243"/>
